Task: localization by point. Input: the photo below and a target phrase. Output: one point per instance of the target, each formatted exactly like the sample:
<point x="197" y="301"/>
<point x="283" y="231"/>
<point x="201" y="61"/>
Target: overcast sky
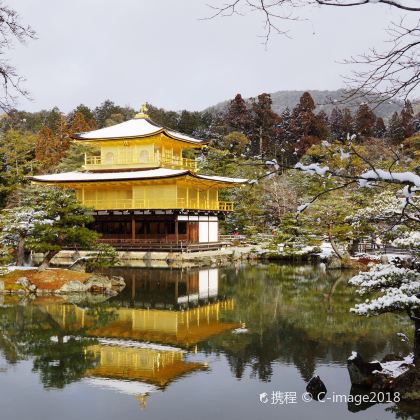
<point x="159" y="51"/>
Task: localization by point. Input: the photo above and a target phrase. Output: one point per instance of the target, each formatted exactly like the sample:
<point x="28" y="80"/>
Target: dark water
<point x="194" y="344"/>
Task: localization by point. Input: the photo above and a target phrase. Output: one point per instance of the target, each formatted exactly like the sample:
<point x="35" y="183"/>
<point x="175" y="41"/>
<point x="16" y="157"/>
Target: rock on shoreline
<point x="393" y="374"/>
<point x="59" y="282"/>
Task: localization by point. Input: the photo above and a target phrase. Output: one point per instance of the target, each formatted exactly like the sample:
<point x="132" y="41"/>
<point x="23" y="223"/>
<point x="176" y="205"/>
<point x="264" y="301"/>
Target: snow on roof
<point x="124" y="387"/>
<point x="134" y="175"/>
<point x="224" y="179"/>
<point x="136" y="127"/>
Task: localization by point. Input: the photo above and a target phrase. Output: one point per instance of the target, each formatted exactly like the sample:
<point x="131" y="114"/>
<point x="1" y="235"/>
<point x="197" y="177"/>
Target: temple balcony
<point x="93" y="163"/>
<point x="158" y="204"/>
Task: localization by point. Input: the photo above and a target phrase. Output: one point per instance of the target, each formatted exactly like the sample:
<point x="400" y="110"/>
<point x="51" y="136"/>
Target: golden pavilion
<point x="145" y="193"/>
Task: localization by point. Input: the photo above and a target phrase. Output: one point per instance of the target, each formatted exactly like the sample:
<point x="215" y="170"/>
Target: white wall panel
<point x="213" y="231"/>
<point x="203" y="232"/>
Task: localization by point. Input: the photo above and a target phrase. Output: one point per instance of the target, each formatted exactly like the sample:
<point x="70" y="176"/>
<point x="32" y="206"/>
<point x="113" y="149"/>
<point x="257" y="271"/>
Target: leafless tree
<point x="393" y="73"/>
<point x="12" y="30"/>
<point x="281" y="197"/>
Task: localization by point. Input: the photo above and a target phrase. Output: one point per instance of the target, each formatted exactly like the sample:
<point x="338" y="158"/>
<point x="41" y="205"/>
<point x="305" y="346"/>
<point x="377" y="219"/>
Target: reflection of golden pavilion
<point x="155" y="366"/>
<point x="181" y="328"/>
<point x="167" y="288"/>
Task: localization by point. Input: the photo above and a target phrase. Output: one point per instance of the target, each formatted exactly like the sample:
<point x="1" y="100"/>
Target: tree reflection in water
<point x="299" y="315"/>
<point x="294" y="315"/>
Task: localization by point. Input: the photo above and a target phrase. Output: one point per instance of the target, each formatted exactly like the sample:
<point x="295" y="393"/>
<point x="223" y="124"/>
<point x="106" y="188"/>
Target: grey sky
<point x="159" y="51"/>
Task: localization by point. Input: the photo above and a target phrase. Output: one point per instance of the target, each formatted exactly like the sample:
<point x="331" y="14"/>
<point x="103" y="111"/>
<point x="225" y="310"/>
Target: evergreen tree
<point x="79" y="123"/>
<point x="17" y="151"/>
<point x="336" y="124"/>
<point x="305" y="125"/>
<point x="395" y="129"/>
<point x="365" y="121"/>
<point x="237" y="116"/>
<point x="322" y="125"/>
<point x="81" y="109"/>
<point x="407" y="119"/>
<point x="380" y="129"/>
<point x="67" y="222"/>
<point x="165" y="118"/>
<point x="235" y="142"/>
<point x="286" y="147"/>
<point x="347" y="127"/>
<point x="189" y="122"/>
<point x="266" y="131"/>
<point x="52" y="146"/>
<point x="108" y="114"/>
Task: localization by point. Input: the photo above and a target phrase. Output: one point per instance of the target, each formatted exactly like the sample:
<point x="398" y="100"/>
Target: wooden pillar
<point x="176" y="229"/>
<point x="133" y="227"/>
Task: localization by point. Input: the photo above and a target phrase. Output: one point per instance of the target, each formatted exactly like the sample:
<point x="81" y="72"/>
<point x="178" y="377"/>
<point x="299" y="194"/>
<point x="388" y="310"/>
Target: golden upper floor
<point x="153" y="152"/>
<point x="138" y="144"/>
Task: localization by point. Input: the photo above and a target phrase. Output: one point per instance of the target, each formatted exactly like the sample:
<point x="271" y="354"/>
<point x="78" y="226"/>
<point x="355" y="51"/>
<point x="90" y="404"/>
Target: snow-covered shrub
<point x="398" y="288"/>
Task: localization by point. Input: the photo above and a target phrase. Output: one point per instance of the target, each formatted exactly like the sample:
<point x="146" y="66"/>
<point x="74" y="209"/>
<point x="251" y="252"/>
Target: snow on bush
<point x="397" y="177"/>
<point x="398" y="286"/>
<point x="313" y="168"/>
<point x="20" y="222"/>
<point x="384" y="205"/>
<point x="408" y="240"/>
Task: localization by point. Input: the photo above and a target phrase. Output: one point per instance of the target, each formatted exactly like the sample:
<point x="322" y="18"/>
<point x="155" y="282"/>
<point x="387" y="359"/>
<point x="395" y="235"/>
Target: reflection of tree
<point x="292" y="316"/>
<point x="405" y="411"/>
<point x="28" y="331"/>
<point x="63" y="362"/>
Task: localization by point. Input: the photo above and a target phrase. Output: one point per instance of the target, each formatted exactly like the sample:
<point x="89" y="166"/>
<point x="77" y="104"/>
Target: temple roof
<point x="74" y="177"/>
<point x="136" y="127"/>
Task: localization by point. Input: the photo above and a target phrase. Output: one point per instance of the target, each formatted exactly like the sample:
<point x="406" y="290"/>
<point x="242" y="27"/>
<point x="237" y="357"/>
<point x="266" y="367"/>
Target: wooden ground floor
<point x="170" y="232"/>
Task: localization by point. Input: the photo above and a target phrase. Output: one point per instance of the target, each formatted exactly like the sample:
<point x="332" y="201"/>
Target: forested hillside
<point x="325" y="100"/>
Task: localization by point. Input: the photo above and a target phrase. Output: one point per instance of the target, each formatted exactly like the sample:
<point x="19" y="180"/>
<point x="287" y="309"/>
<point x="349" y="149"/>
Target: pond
<point x="238" y="342"/>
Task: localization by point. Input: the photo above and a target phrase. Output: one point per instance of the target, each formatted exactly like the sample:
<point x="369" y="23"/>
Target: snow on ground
<point x="396" y="367"/>
<point x="326" y="250"/>
<point x="11" y="268"/>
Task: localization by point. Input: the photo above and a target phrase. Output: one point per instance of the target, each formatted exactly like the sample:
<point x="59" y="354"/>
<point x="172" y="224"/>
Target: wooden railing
<point x="160" y="245"/>
<point x="158" y="204"/>
<point x="96" y="162"/>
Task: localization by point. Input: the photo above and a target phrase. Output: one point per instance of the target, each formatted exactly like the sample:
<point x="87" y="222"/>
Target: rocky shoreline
<point x="58" y="282"/>
<point x="391" y="374"/>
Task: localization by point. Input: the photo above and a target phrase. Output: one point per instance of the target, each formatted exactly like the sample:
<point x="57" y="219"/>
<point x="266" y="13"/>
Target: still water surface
<point x="193" y="344"/>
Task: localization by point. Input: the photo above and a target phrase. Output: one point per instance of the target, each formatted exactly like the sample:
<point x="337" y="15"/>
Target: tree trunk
<point x="332" y="242"/>
<point x="47" y="259"/>
<point x="417" y="342"/>
<point x="20" y="253"/>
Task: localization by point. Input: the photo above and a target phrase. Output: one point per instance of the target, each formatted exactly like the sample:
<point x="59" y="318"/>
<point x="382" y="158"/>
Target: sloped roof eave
<point x="100" y="178"/>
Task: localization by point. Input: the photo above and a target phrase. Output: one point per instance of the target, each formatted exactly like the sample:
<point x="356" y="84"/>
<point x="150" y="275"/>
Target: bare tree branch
<point x="11" y="30"/>
<point x="393" y="73"/>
